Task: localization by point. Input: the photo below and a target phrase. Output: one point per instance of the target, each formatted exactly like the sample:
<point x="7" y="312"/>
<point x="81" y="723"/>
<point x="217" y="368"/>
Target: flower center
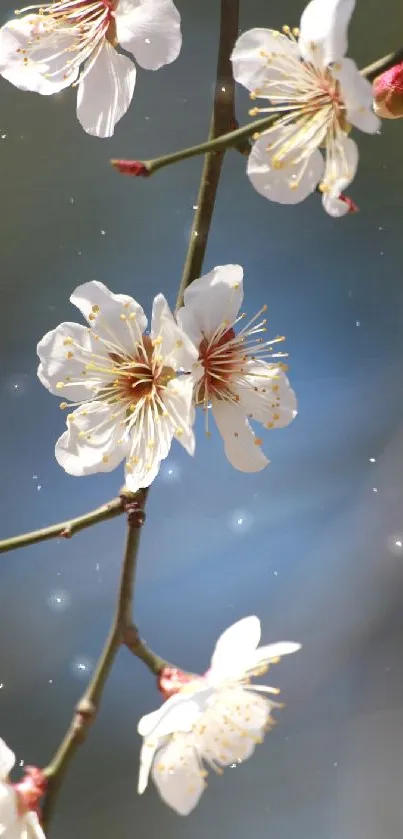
<point x="220" y="357"/>
<point x="81" y="27"/>
<point x="140" y="378"/>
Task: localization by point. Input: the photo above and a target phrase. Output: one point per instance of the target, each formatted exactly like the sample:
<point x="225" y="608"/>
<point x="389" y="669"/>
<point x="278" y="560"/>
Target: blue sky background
<point x="311" y="545"/>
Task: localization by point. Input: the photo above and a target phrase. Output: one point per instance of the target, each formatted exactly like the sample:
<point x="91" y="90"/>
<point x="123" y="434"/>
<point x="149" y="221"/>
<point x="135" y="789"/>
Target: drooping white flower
<point x="73" y="42"/>
<point x="16" y="821"/>
<point x="131" y="400"/>
<point x="213" y="720"/>
<point x="231" y="373"/>
<point x="319" y="95"/>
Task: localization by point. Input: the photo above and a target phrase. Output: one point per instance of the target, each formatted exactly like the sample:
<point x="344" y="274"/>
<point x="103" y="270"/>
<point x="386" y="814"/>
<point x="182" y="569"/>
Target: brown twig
<point x="382" y="64"/>
<point x="88" y="705"/>
<point x="222" y="121"/>
<point x="65" y="529"/>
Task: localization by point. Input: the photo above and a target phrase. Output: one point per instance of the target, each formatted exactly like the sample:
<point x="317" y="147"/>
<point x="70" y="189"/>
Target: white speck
<point x="382" y="253"/>
<point x="1" y="685"/>
<point x="21" y="763"/>
<point x="71" y="199"/>
<point x="97" y="567"/>
<point x="395" y="543"/>
<point x="147" y="40"/>
<point x="195" y="206"/>
<point x="34" y="477"/>
<point x="59" y="600"/>
<point x="195" y="233"/>
<point x="240" y="521"/>
<point x="275" y="573"/>
<point x="39" y="487"/>
<point x="372" y="460"/>
<point x="147" y="118"/>
<point x="374" y="489"/>
<point x="3" y="136"/>
<point x="380" y="228"/>
<point x="103" y="232"/>
<point x="335" y="764"/>
<point x="79" y="253"/>
<point x="81" y="667"/>
<point x="358" y="323"/>
<point x="223" y="89"/>
<point x="50" y="681"/>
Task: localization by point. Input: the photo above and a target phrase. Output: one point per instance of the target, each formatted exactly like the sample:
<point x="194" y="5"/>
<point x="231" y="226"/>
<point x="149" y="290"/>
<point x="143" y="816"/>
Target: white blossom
<point x="318" y="94"/>
<point x="231" y="374"/>
<point x="15" y="821"/>
<point x="130" y="399"/>
<point x="214" y="720"/>
<point x="73" y="42"/>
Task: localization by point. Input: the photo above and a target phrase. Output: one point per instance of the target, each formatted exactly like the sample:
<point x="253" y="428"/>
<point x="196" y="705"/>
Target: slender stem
<point x="65" y="529"/>
<point x="88" y="705"/>
<point x="222" y="120"/>
<point x="373" y="70"/>
<point x="238" y="138"/>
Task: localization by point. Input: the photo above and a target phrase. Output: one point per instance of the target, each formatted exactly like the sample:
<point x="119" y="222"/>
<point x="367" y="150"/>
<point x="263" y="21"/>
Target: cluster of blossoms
<point x="130" y="393"/>
<point x="315" y="94"/>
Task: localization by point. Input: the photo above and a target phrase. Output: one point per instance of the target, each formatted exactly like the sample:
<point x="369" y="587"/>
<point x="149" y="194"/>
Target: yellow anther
<point x="156" y="342"/>
<point x="277" y="163"/>
<point x="105" y="458"/>
<point x="67" y="342"/>
<point x="295" y="31"/>
<point x="63" y="406"/>
<point x="91" y="317"/>
<point x="123" y="317"/>
<point x="69" y="354"/>
<point x="59" y="385"/>
<point x="70" y="417"/>
<point x="95" y="309"/>
<point x="179" y="344"/>
<point x="253" y="112"/>
<point x="258" y="441"/>
<point x="286" y="29"/>
<point x="270" y="425"/>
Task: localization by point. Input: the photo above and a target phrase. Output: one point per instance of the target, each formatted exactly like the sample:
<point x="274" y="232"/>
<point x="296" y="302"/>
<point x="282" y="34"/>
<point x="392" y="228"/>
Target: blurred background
<point x="313" y="545"/>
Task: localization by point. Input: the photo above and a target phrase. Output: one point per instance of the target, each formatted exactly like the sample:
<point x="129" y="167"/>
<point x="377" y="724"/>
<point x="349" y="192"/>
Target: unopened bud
<point x="388" y="93"/>
<point x="171" y="680"/>
<point x="352" y="206"/>
<point x="135" y="168"/>
<point x="30" y="790"/>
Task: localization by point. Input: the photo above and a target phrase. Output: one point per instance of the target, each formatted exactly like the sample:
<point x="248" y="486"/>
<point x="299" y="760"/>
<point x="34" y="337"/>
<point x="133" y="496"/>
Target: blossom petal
<point x="232" y="725"/>
<point x="116" y="318"/>
<point x="357" y="94"/>
<point x="150" y="30"/>
<point x="178" y="713"/>
<point x="7" y="760"/>
<point x="254" y="57"/>
<point x="323" y="30"/>
<point x="340" y="170"/>
<point x="212" y="300"/>
<point x="241" y="446"/>
<point x="33" y="826"/>
<point x="267" y="395"/>
<point x="234" y="647"/>
<point x="178" y="401"/>
<point x="33" y="59"/>
<point x="95" y="440"/>
<point x="290" y="184"/>
<point x="177" y="774"/>
<point x="105" y="91"/>
<point x="63" y="353"/>
<point x="9" y="819"/>
<point x="176" y="348"/>
<point x="266" y="654"/>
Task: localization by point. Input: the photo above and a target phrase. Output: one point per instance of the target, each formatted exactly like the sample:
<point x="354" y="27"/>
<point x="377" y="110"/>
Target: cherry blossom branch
<point x="66" y="529"/>
<point x="121" y="631"/>
<point x="235" y="138"/>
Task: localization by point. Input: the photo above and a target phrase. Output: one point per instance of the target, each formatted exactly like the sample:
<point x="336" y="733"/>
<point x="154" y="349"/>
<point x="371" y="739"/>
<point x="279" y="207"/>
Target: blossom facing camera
<point x="315" y="95"/>
<point x="210" y="721"/>
<point x="388" y="93"/>
<point x="62" y="43"/>
<point x="129" y="396"/>
<point x="232" y="373"/>
<point x="18" y="802"/>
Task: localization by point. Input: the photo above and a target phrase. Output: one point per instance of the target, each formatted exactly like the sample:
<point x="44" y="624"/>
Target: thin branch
<point x="222" y="120"/>
<point x="88" y="705"/>
<point x="65" y="529"/>
<point x="373" y="70"/>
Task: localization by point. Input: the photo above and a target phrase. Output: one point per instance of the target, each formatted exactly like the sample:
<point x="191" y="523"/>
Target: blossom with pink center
<point x="130" y="397"/>
<point x="211" y="721"/>
<point x="73" y="42"/>
<point x="233" y="375"/>
<point x="19" y="802"/>
<point x="317" y="93"/>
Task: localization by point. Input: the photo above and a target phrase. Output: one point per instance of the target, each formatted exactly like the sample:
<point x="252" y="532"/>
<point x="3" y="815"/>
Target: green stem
<point x="65" y="529"/>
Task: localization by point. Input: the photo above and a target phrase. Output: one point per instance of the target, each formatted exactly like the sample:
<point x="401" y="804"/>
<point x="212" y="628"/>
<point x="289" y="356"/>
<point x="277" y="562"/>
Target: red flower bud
<point x="131" y="167"/>
<point x="30" y="789"/>
<point x="388" y="93"/>
<point x="171" y="680"/>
